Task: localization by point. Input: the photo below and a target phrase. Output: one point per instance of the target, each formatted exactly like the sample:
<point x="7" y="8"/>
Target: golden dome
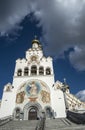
<point x="35" y="41"/>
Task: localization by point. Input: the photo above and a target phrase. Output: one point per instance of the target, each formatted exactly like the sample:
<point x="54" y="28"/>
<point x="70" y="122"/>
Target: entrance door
<point x="32" y="114"/>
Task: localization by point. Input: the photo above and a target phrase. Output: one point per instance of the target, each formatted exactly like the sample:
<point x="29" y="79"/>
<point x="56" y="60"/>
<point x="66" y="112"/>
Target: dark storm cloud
<point x="62" y="23"/>
<point x="12" y="12"/>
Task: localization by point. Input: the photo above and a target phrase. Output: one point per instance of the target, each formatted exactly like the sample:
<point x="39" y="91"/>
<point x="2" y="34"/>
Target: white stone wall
<point x="58" y="103"/>
<point x="8" y="104"/>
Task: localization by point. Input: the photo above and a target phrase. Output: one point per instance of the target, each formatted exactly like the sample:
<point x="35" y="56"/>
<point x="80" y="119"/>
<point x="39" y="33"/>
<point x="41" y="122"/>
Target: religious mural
<point x="20" y="97"/>
<point x="33" y="89"/>
<point x="45" y="96"/>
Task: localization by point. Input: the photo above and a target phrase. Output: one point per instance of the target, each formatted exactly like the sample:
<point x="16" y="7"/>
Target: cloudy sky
<point x="60" y="26"/>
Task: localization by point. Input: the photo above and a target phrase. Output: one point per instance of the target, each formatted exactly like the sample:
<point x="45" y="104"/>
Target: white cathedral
<point x="34" y="90"/>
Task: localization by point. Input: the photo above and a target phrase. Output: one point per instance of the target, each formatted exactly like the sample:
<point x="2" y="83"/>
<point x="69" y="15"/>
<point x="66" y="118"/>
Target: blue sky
<point x="60" y="28"/>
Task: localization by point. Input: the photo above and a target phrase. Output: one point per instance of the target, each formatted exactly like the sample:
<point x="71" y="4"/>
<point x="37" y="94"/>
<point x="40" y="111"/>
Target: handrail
<point x="41" y="124"/>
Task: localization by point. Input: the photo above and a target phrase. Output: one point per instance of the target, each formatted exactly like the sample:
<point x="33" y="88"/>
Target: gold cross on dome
<point x="64" y="80"/>
<point x="35" y="36"/>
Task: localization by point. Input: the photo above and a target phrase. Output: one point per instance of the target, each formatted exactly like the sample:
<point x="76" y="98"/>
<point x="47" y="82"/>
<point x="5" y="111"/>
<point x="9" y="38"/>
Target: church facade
<point x="34" y="91"/>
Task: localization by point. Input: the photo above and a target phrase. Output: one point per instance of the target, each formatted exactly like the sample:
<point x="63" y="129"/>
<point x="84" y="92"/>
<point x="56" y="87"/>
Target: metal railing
<point x="41" y="124"/>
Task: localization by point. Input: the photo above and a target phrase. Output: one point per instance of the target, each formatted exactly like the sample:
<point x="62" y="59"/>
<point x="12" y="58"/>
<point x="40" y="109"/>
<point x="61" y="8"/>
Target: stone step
<point x="62" y="124"/>
<point x="19" y="125"/>
<point x="50" y="124"/>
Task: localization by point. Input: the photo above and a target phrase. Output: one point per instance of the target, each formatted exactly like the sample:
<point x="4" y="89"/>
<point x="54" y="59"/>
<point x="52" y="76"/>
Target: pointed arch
<point x="30" y="106"/>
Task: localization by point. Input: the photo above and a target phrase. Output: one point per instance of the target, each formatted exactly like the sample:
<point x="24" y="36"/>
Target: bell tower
<point x="34" y="66"/>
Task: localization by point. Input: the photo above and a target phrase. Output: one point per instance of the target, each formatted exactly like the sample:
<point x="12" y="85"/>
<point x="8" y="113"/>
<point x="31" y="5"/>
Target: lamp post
<point x="64" y="88"/>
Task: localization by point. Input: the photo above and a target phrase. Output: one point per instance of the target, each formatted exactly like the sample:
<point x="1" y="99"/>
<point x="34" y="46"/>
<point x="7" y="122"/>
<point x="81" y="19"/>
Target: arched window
<point x="26" y="71"/>
<point x="41" y="70"/>
<point x="19" y="72"/>
<point x="48" y="71"/>
<point x="34" y="70"/>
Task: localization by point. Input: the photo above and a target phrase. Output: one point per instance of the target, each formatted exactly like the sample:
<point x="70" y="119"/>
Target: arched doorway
<point x="32" y="114"/>
<point x="30" y="109"/>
